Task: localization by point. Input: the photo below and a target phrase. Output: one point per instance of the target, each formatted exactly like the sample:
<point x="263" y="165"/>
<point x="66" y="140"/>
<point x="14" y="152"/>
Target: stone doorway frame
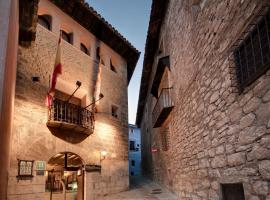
<point x="66" y="168"/>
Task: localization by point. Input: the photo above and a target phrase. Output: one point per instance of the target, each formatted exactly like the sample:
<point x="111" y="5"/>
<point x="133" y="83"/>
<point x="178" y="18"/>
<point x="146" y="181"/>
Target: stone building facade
<point x="80" y="162"/>
<point x="134" y="153"/>
<point x="210" y="140"/>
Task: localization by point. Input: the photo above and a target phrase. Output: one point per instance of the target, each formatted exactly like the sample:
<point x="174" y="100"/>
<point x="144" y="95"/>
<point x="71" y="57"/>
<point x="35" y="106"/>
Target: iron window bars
<point x="252" y="55"/>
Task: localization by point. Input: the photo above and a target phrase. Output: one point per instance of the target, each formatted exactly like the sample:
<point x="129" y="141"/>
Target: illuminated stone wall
<point x="32" y="140"/>
<point x="216" y="134"/>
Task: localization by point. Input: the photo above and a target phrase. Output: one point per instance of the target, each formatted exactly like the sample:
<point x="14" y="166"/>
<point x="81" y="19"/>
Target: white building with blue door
<point x="134" y="150"/>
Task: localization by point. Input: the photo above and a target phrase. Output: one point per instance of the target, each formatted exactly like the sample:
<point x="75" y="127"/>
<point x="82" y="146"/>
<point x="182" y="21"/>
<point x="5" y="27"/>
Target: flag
<point x="56" y="71"/>
<point x="98" y="84"/>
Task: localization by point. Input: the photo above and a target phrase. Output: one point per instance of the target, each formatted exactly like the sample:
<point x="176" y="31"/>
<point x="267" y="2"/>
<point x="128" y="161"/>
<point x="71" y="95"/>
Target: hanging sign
<point x="154" y="150"/>
<point x="92" y="168"/>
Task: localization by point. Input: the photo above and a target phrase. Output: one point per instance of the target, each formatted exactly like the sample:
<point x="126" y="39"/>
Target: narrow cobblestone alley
<point x="143" y="189"/>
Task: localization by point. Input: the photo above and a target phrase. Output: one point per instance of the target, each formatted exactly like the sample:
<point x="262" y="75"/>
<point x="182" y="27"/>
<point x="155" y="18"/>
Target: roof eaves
<point x="158" y="11"/>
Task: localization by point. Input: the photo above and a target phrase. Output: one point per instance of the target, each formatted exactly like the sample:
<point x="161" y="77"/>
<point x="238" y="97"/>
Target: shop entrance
<point x="64" y="177"/>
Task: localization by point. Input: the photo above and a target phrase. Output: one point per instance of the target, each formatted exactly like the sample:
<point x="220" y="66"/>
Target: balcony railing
<point x="162" y="108"/>
<point x="68" y="116"/>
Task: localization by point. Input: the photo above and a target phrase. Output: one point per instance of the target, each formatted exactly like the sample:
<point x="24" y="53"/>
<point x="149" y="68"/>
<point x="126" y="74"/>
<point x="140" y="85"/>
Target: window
<point x="112" y="67"/>
<point x="98" y="54"/>
<point x="252" y="56"/>
<point x="45" y="21"/>
<point x="233" y="191"/>
<point x="132" y="145"/>
<point x="66" y="36"/>
<point x="84" y="49"/>
<point x="131" y="130"/>
<point x="132" y="162"/>
<point x="114" y="111"/>
<point x="164" y="136"/>
<point x="132" y="173"/>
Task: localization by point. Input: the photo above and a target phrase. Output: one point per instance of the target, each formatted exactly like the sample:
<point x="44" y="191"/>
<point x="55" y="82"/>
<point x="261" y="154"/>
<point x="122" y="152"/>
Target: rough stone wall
<point x="217" y="135"/>
<point x="32" y="140"/>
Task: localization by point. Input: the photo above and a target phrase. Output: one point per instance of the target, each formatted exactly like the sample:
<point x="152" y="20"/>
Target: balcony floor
<point x="73" y="133"/>
<point x="162" y="116"/>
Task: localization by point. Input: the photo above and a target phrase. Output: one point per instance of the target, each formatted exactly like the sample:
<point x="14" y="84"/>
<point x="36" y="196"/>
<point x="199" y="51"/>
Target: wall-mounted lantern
<point x="103" y="155"/>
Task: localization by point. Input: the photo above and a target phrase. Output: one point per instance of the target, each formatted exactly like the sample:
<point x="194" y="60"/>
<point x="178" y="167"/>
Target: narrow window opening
<point x="112" y="66"/>
<point x="115" y="111"/>
<point x="132" y="145"/>
<point x="165" y="138"/>
<point x="84" y="49"/>
<point x="66" y="36"/>
<point x="98" y="54"/>
<point x="234" y="191"/>
<point x="132" y="173"/>
<point x="45" y="21"/>
<point x="132" y="162"/>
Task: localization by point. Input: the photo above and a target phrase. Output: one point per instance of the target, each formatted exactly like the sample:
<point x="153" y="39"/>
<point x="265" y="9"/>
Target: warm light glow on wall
<point x="104" y="153"/>
<point x="104" y="130"/>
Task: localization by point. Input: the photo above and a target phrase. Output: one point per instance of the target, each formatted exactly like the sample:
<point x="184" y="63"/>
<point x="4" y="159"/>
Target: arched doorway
<point x="65" y="177"/>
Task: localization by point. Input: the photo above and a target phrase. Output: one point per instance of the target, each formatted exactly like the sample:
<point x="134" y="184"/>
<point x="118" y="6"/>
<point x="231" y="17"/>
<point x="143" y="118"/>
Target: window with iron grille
<point x="252" y="56"/>
<point x="164" y="134"/>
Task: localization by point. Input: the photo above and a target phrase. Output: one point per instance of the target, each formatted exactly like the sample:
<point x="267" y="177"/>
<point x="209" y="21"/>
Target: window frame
<point x="251" y="63"/>
<point x="98" y="57"/>
<point x="227" y="188"/>
<point x="47" y="20"/>
<point x="68" y="36"/>
<point x="131" y="144"/>
<point x="114" y="111"/>
<point x="84" y="49"/>
<point x="112" y="67"/>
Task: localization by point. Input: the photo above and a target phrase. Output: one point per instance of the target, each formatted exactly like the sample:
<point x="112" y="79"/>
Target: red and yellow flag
<point x="56" y="71"/>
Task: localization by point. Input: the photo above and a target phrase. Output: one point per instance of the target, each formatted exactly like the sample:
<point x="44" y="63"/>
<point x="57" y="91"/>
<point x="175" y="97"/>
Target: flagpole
<point x="49" y="80"/>
<point x="49" y="110"/>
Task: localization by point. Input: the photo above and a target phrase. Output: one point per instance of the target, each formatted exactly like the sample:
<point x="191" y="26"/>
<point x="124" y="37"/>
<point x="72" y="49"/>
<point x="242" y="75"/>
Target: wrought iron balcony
<point x="70" y="119"/>
<point x="162" y="108"/>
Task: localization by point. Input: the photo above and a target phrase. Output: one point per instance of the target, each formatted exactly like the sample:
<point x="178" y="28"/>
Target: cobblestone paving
<point x="143" y="189"/>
